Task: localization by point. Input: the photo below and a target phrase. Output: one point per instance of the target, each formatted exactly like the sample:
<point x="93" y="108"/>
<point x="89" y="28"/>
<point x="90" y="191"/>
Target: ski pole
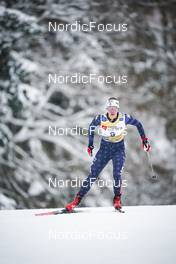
<point x="154" y="176"/>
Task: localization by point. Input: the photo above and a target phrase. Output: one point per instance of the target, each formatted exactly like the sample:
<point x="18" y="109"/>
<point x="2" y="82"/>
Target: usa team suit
<point x="111" y="148"/>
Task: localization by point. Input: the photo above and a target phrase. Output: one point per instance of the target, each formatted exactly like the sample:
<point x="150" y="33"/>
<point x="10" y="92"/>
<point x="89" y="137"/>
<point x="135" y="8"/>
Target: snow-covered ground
<point x="144" y="234"/>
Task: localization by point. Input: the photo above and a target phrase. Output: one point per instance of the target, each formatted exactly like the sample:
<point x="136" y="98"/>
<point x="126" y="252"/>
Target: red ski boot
<point x="69" y="207"/>
<point x="117" y="203"/>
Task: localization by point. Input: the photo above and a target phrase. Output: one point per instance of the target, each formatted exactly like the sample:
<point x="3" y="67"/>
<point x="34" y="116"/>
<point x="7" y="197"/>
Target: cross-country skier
<point x="112" y="128"/>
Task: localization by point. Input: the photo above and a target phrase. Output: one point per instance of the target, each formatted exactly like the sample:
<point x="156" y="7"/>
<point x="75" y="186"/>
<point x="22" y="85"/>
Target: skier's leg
<point x="101" y="159"/>
<point x="118" y="160"/>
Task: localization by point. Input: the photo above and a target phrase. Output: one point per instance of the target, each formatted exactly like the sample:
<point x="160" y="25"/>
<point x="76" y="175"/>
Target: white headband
<point x="112" y="102"/>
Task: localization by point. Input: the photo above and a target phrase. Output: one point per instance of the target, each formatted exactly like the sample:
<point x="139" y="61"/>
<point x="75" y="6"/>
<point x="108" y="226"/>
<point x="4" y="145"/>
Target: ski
<point x="65" y="211"/>
<point x="55" y="212"/>
<point x="119" y="210"/>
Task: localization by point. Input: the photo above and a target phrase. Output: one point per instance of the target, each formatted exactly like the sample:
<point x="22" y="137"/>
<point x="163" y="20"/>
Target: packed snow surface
<point x="143" y="234"/>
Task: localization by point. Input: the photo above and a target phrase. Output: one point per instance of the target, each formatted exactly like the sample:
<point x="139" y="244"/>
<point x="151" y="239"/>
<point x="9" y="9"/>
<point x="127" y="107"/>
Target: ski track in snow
<point x="144" y="234"/>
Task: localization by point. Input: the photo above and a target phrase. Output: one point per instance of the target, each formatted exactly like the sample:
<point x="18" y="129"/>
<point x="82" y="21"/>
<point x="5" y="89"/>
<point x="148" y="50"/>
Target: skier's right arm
<point x="95" y="122"/>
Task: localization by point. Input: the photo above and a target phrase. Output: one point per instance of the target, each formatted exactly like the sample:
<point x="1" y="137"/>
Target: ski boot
<point x="70" y="206"/>
<point x="117" y="203"/>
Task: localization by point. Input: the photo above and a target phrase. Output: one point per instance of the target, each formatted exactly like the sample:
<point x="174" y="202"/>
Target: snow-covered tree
<point x="29" y="52"/>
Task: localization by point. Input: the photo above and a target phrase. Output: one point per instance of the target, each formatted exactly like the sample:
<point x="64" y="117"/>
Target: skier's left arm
<point x="129" y="120"/>
<point x="95" y="122"/>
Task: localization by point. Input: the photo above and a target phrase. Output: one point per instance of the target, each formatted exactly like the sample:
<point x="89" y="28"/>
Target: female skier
<point x="112" y="128"/>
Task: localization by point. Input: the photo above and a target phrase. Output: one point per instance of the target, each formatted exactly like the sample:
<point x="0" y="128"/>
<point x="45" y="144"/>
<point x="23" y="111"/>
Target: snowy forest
<point x="30" y="157"/>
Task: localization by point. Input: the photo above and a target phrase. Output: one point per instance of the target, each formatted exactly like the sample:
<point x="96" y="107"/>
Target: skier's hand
<point x="145" y="144"/>
<point x="90" y="150"/>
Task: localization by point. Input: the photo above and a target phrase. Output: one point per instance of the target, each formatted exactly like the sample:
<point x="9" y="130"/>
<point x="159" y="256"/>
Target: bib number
<point x="112" y="134"/>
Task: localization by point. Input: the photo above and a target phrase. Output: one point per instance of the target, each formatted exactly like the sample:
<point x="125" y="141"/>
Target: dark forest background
<point x="146" y="53"/>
